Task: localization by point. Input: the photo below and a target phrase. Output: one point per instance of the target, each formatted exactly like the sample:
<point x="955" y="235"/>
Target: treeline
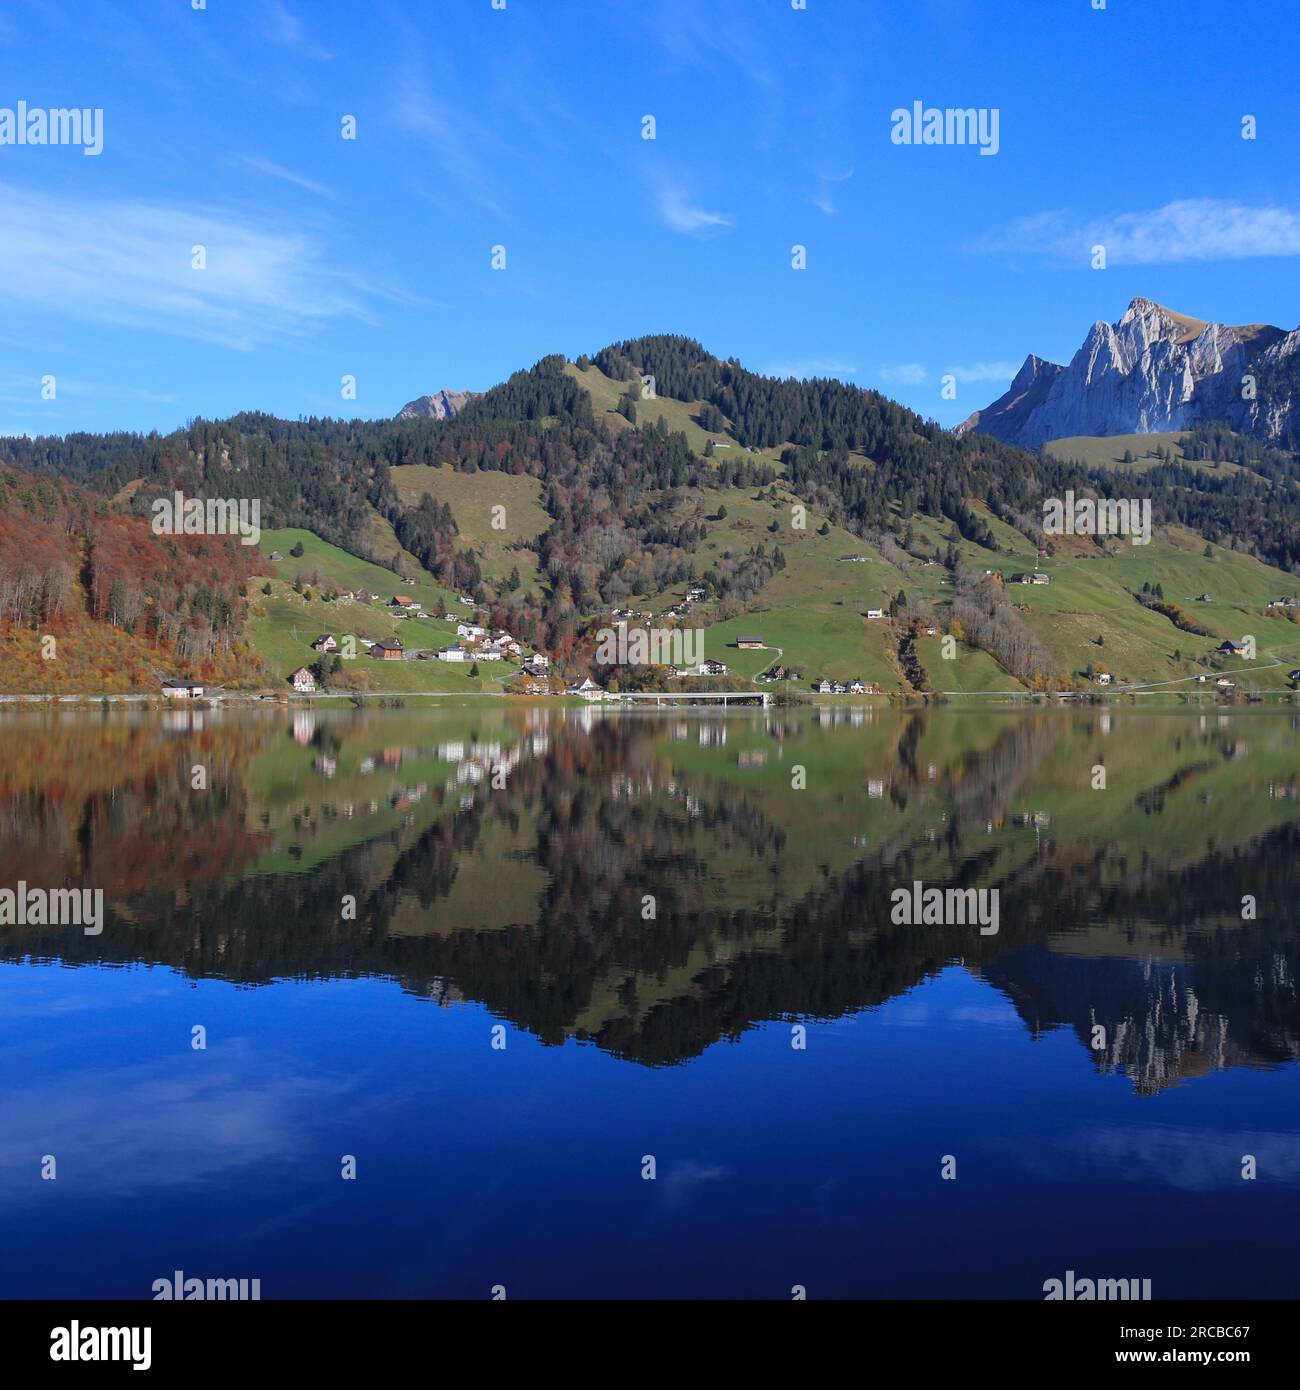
<point x="984" y="618"/>
<point x="66" y="555"/>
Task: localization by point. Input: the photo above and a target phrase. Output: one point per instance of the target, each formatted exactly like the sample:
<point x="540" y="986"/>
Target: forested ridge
<point x="853" y="455"/>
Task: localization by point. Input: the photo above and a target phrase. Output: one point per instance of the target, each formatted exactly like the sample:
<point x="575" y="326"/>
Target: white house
<point x="471" y="630"/>
<point x="177" y="689"/>
<point x="303" y="680"/>
<point x="711" y="668"/>
<point x="875" y="612"/>
<point x="452" y="654"/>
<point x="538" y="664"/>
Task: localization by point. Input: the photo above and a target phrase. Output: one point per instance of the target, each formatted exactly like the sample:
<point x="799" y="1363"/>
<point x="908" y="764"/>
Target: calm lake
<point x="504" y="958"/>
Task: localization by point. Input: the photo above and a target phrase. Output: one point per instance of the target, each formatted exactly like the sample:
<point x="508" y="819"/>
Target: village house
<point x="402" y="601"/>
<point x="1102" y="677"/>
<point x="390" y="649"/>
<point x="1230" y="648"/>
<point x="749" y="644"/>
<point x="1038" y="577"/>
<point x="539" y="663"/>
<point x="875" y="612"/>
<point x="452" y="654"/>
<point x="822" y="687"/>
<point x="711" y="668"/>
<point x="857" y="688"/>
<point x="589" y="690"/>
<point x="177" y="689"/>
<point x="325" y="643"/>
<point x="303" y="680"/>
<point x="1225" y="684"/>
<point x="1202" y="598"/>
<point x="471" y="630"/>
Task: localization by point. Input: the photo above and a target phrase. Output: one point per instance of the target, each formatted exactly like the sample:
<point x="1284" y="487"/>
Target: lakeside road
<point x="294" y="697"/>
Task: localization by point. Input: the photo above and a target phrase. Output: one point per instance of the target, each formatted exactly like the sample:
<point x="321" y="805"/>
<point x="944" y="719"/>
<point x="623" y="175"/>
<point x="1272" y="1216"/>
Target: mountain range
<point x="841" y="528"/>
<point x="1154" y="370"/>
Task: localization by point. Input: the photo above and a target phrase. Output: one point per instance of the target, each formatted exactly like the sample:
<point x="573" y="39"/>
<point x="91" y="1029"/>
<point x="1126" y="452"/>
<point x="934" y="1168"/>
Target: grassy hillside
<point x="472" y="497"/>
<point x="680" y="416"/>
<point x="1108" y="451"/>
<point x="284" y="623"/>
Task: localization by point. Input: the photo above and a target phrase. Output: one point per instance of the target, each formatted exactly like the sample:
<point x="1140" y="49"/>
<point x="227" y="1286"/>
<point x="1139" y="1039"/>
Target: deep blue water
<point x="776" y="1166"/>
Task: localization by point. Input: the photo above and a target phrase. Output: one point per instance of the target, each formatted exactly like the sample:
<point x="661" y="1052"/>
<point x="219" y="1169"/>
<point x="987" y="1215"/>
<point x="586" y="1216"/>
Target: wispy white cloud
<point x="286" y="28"/>
<point x="130" y="264"/>
<point x="806" y="367"/>
<point x="679" y="211"/>
<point x="708" y="38"/>
<point x="821" y="199"/>
<point x="904" y="374"/>
<point x="984" y="371"/>
<point x="273" y="170"/>
<point x="1190" y="229"/>
<point x="454" y="142"/>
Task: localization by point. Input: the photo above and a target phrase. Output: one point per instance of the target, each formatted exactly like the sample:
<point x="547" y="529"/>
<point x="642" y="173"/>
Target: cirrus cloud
<point x="1189" y="229"/>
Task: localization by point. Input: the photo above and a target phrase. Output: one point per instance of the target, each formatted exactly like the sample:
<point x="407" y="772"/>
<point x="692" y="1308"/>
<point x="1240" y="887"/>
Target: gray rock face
<point x="1154" y="370"/>
<point x="442" y="405"/>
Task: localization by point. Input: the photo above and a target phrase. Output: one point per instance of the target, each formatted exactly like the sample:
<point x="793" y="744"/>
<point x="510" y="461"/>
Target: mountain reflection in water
<point x="653" y="884"/>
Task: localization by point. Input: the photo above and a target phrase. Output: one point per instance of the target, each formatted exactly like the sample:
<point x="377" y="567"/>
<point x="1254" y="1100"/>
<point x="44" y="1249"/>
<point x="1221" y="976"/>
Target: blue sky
<point x="522" y="127"/>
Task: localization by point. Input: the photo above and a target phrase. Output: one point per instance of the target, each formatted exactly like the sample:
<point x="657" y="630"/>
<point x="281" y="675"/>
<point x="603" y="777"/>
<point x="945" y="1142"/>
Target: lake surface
<point x="508" y="1026"/>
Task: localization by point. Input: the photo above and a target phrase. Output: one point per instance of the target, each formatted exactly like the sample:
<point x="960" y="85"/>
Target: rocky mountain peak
<point x="442" y="405"/>
<point x="1153" y="370"/>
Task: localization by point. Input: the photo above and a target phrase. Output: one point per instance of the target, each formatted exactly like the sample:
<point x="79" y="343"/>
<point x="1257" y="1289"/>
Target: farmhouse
<point x="303" y="679"/>
<point x="1102" y="677"/>
<point x="390" y="649"/>
<point x="177" y="689"/>
<point x="401" y="601"/>
<point x="1231" y="648"/>
<point x="325" y="643"/>
<point x="875" y="612"/>
<point x="749" y="644"/>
